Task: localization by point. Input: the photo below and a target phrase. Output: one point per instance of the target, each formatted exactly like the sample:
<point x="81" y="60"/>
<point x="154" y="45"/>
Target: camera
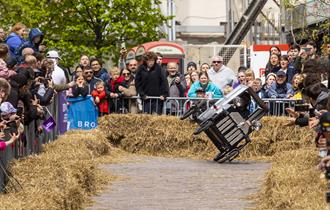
<point x="301" y="107"/>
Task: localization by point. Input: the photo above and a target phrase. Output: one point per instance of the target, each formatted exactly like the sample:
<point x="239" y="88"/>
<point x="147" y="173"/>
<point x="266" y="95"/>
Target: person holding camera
<point x="177" y="85"/>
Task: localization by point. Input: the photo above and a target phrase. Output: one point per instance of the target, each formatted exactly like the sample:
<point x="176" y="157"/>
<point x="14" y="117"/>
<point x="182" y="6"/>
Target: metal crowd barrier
<point x="27" y="144"/>
<point x="178" y="105"/>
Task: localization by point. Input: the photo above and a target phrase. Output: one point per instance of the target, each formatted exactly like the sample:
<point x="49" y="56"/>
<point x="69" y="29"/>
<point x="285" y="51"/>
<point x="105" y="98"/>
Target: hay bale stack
<point x="62" y="176"/>
<point x="165" y="135"/>
<point x="293" y="182"/>
<point x="156" y="135"/>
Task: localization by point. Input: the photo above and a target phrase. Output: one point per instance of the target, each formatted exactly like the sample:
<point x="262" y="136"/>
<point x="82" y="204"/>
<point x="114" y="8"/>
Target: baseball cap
<point x="7" y="108"/>
<point x="280" y="73"/>
<point x="52" y="54"/>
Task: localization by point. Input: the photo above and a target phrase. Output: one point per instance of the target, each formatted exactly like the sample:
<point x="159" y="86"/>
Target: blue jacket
<point x="103" y="75"/>
<point x="34" y="32"/>
<point x="280" y="91"/>
<point x="14" y="41"/>
<point x="210" y="88"/>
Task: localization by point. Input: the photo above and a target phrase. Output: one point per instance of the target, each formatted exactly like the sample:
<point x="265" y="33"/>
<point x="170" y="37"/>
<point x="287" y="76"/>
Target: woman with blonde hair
<point x="249" y="77"/>
<point x="16" y="38"/>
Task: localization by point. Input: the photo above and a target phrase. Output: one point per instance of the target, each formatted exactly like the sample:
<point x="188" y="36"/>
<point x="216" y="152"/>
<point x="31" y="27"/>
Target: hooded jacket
<point x="30" y="44"/>
<point x="14" y="41"/>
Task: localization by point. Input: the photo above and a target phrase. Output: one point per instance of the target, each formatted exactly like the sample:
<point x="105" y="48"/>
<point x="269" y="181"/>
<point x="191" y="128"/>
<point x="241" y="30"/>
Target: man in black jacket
<point x="151" y="82"/>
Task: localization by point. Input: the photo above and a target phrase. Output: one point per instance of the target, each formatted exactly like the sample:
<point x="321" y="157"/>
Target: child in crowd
<point x="115" y="94"/>
<point x="100" y="98"/>
<point x="80" y="88"/>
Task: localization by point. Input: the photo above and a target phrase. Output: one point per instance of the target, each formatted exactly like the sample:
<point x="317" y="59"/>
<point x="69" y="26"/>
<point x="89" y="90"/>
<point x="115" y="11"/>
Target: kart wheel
<point x="220" y="155"/>
<point x="203" y="127"/>
<point x="229" y="156"/>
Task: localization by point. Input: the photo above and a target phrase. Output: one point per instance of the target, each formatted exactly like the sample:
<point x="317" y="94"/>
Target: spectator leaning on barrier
<point x="220" y="74"/>
<point x="132" y="67"/>
<point x="280" y="88"/>
<point x="176" y="81"/>
<point x="150" y="81"/>
<point x="205" y="86"/>
<point x="100" y="98"/>
<point x="127" y="88"/>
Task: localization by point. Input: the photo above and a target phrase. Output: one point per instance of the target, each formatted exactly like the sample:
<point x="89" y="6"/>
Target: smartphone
<point x="301" y="107"/>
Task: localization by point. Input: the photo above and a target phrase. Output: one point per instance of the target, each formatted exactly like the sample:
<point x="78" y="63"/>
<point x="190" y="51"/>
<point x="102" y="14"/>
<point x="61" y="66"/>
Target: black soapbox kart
<point x="229" y="121"/>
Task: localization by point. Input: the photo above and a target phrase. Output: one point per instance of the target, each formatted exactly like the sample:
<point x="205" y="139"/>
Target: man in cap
<point x="280" y="88"/>
<point x="58" y="75"/>
<point x="221" y="75"/>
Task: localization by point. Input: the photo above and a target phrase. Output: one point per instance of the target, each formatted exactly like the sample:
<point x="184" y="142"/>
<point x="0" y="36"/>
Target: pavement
<point x="157" y="183"/>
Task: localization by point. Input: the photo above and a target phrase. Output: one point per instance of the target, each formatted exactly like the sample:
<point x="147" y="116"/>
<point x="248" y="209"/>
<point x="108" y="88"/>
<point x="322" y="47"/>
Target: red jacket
<point x="104" y="104"/>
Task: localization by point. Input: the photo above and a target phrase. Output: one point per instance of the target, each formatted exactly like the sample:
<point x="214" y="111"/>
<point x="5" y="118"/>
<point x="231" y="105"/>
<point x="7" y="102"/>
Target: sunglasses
<point x="126" y="74"/>
<point x="88" y="72"/>
<point x="217" y="62"/>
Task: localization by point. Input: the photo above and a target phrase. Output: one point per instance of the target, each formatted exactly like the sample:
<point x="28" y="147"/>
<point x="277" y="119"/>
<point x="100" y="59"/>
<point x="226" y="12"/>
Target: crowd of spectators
<point x="31" y="76"/>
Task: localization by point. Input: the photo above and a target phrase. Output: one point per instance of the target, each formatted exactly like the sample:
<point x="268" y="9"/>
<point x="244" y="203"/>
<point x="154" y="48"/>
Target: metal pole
<point x="169" y="30"/>
<point x="173" y="20"/>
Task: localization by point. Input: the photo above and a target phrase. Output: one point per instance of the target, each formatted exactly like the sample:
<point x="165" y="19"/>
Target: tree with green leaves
<point x="93" y="27"/>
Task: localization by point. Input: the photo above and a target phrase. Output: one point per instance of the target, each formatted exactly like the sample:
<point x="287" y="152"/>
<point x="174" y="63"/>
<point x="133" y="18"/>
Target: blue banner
<point x="82" y="113"/>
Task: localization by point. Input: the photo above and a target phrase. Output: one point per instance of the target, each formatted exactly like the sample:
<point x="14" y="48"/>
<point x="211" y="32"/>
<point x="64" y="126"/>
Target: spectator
<point x="132" y="67"/>
<point x="90" y="79"/>
<point x="4" y="89"/>
<point x="273" y="65"/>
<point x="35" y="39"/>
<point x="127" y="88"/>
<point x="99" y="72"/>
<point x="288" y="69"/>
<point x="191" y="67"/>
<point x="4" y="52"/>
<point x="257" y="86"/>
<point x="220" y="74"/>
<point x="190" y="79"/>
<point x="84" y="61"/>
<point x="159" y="58"/>
<point x="296" y="84"/>
<point x="4" y="143"/>
<point x="80" y="88"/>
<point x="204" y="67"/>
<point x="249" y="77"/>
<point x="205" y="86"/>
<point x="100" y="98"/>
<point x="275" y="50"/>
<point x="296" y="60"/>
<point x="58" y="75"/>
<point x="150" y="81"/>
<point x="116" y="95"/>
<point x="241" y="79"/>
<point x="16" y="38"/>
<point x="280" y="88"/>
<point x="176" y="82"/>
<point x="311" y="50"/>
<point x="2" y="35"/>
<point x="4" y="71"/>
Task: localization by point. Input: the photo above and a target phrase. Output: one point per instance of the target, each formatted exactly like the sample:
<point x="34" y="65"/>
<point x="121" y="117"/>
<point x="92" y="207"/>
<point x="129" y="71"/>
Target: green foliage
<point x="93" y="27"/>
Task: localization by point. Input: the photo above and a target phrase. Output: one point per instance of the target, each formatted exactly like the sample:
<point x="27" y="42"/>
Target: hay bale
<point x="63" y="176"/>
<point x="293" y="182"/>
<point x="169" y="136"/>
